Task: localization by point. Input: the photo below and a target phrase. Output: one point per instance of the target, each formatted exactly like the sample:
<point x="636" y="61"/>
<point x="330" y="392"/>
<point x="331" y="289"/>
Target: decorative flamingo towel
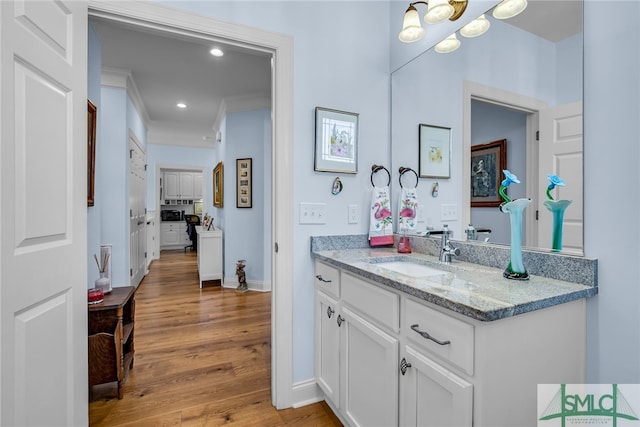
<point x="381" y="223"/>
<point x="408" y="211"/>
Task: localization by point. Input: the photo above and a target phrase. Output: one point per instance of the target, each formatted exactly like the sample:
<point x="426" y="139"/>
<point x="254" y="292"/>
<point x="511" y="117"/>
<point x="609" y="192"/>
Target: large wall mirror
<point x="520" y="80"/>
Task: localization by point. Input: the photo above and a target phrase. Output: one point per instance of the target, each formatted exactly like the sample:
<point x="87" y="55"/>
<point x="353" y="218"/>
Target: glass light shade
<point x="448" y="45"/>
<point x="439" y="10"/>
<point x="475" y="28"/>
<point x="411" y="27"/>
<point x="509" y="8"/>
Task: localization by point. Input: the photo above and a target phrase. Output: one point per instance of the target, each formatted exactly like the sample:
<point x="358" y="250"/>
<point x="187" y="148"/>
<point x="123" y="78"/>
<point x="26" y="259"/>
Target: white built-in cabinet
<point x="384" y="357"/>
<point x="179" y="185"/>
<point x="173" y="233"/>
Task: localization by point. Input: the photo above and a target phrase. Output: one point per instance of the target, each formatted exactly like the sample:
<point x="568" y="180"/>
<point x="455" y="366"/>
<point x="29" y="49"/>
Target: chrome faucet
<point x="446" y="248"/>
<point x="472" y="232"/>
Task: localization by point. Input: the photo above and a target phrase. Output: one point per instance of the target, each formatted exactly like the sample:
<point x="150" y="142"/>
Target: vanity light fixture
<point x="475" y="28"/>
<point x="509" y="8"/>
<point x="448" y="45"/>
<point x="437" y="11"/>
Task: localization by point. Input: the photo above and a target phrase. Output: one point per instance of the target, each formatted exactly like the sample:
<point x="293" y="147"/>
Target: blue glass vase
<point x="557" y="208"/>
<point x="515" y="269"/>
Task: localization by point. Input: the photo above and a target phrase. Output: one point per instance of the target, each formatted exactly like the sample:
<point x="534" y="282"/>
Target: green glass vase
<point x="516" y="270"/>
<point x="557" y="208"/>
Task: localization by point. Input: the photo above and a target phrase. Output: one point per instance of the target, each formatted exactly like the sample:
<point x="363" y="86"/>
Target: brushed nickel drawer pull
<point x="427" y="336"/>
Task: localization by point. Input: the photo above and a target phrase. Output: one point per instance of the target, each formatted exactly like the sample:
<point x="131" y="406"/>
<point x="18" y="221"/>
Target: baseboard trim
<point x="305" y="393"/>
<point x="253" y="285"/>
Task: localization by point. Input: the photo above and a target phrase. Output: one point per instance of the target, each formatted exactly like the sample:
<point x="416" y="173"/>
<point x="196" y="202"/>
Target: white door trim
<point x="281" y="46"/>
<point x="473" y="90"/>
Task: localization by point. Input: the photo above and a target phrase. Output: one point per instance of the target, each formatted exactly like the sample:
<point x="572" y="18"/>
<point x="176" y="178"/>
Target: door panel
<point x="43" y="167"/>
<point x="138" y="220"/>
<point x="560" y="153"/>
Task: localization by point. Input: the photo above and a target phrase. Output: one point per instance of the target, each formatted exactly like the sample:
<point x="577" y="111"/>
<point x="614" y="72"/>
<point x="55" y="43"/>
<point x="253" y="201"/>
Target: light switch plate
<point x="313" y="213"/>
<point x="353" y="214"/>
<point x="448" y="212"/>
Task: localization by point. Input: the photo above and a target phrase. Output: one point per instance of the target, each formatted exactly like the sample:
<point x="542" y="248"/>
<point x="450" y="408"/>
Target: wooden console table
<point x="111" y="349"/>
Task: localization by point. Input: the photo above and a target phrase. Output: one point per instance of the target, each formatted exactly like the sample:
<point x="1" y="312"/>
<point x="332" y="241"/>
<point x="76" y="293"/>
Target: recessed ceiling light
<point x="216" y="52"/>
<point x="181" y="105"/>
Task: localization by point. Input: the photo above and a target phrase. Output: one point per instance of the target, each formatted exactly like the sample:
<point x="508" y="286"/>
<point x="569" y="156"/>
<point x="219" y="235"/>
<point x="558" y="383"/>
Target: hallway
<point x="203" y="357"/>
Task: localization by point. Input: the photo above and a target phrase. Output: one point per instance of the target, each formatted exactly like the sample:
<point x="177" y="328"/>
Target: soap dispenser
<point x="404" y="243"/>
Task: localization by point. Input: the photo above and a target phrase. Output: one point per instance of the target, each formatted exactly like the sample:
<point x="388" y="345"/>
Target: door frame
<point x="182" y="23"/>
<point x="532" y="106"/>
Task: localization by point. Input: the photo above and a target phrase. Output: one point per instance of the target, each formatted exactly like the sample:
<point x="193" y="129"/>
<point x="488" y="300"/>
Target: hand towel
<point x="381" y="223"/>
<point x="408" y="210"/>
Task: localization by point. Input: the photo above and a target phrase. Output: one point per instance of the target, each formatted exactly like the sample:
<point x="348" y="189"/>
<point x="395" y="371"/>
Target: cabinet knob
<point x="319" y="277"/>
<point x="404" y="365"/>
<point x="416" y="328"/>
<point x="340" y="320"/>
<point x="330" y="311"/>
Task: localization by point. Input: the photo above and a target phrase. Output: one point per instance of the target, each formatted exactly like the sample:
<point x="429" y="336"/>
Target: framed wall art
<point x="434" y="151"/>
<point x="92" y="114"/>
<point x="218" y="185"/>
<point x="336" y="141"/>
<point x="243" y="183"/>
<point x="487" y="163"/>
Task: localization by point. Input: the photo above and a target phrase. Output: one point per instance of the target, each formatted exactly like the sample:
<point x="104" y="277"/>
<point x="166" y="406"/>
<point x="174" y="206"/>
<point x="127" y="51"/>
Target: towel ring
<point x="378" y="168"/>
<point x="404" y="170"/>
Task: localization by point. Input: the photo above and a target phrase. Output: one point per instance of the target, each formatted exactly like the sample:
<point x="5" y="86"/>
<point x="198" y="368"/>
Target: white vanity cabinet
<point x="356" y="356"/>
<point x="412" y="363"/>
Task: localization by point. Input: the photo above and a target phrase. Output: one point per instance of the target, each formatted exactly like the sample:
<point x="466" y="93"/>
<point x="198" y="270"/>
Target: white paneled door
<point x="137" y="213"/>
<point x="560" y="153"/>
<point x="43" y="209"/>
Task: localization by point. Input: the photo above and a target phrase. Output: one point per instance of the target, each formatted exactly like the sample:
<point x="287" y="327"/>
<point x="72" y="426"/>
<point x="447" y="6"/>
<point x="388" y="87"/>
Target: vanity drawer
<point x="459" y="350"/>
<point x="328" y="279"/>
<point x="379" y="305"/>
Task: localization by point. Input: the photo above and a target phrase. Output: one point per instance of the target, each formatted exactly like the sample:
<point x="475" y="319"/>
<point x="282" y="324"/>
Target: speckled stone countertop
<point x="477" y="291"/>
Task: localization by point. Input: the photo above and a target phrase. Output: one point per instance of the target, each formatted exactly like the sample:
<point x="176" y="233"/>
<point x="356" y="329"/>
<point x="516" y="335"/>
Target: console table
<point x="111" y="349"/>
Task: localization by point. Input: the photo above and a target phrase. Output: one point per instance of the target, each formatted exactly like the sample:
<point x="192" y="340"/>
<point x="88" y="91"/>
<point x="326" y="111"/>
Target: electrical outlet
<point x="448" y="212"/>
<point x="353" y="214"/>
<point x="313" y="213"/>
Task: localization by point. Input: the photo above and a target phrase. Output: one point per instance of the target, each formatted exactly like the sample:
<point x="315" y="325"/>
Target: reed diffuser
<point x="104" y="282"/>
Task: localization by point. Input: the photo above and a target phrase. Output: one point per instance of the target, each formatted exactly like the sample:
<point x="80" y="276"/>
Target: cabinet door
<point x="369" y="371"/>
<point x="327" y="347"/>
<point x="170" y="235"/>
<point x="186" y="185"/>
<point x="197" y="186"/>
<point x="171" y="185"/>
<point x="431" y="395"/>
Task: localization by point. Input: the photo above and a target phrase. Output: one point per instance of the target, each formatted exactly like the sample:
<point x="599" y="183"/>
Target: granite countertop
<point x="477" y="291"/>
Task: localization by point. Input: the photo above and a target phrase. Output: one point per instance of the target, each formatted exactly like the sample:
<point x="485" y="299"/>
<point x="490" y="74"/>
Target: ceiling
<point x="167" y="69"/>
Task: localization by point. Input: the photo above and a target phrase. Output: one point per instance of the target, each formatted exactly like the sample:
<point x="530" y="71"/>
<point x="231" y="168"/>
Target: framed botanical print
<point x="434" y="151"/>
<point x="336" y="141"/>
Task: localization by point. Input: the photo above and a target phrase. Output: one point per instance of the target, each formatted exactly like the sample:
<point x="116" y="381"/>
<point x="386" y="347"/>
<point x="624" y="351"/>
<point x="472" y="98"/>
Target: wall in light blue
<point x="94" y="213"/>
<point x="118" y="117"/>
<point x="490" y="123"/>
<point x="248" y="231"/>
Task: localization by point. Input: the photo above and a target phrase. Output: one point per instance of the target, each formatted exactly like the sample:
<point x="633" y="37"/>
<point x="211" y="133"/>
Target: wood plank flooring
<point x="203" y="358"/>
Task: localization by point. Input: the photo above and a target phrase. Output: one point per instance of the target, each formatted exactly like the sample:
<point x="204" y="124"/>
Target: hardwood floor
<point x="203" y="357"/>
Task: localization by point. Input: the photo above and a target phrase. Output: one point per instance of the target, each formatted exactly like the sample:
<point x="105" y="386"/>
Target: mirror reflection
<point x="507" y="84"/>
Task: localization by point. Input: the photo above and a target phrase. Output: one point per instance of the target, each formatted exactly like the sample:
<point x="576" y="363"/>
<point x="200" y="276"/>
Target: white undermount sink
<point x="411" y="269"/>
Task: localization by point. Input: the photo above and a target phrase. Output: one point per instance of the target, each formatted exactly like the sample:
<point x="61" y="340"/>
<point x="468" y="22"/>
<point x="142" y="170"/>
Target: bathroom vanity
<point x="405" y="340"/>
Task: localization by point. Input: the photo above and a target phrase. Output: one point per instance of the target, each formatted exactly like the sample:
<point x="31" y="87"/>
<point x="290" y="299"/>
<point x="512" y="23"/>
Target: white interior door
<point x="43" y="213"/>
<point x="560" y="153"/>
<point x="137" y="213"/>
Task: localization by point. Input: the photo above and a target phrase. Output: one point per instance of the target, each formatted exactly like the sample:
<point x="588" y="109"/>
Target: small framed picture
<point x="336" y="141"/>
<point x="434" y="151"/>
<point x="243" y="183"/>
<point x="487" y="163"/>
